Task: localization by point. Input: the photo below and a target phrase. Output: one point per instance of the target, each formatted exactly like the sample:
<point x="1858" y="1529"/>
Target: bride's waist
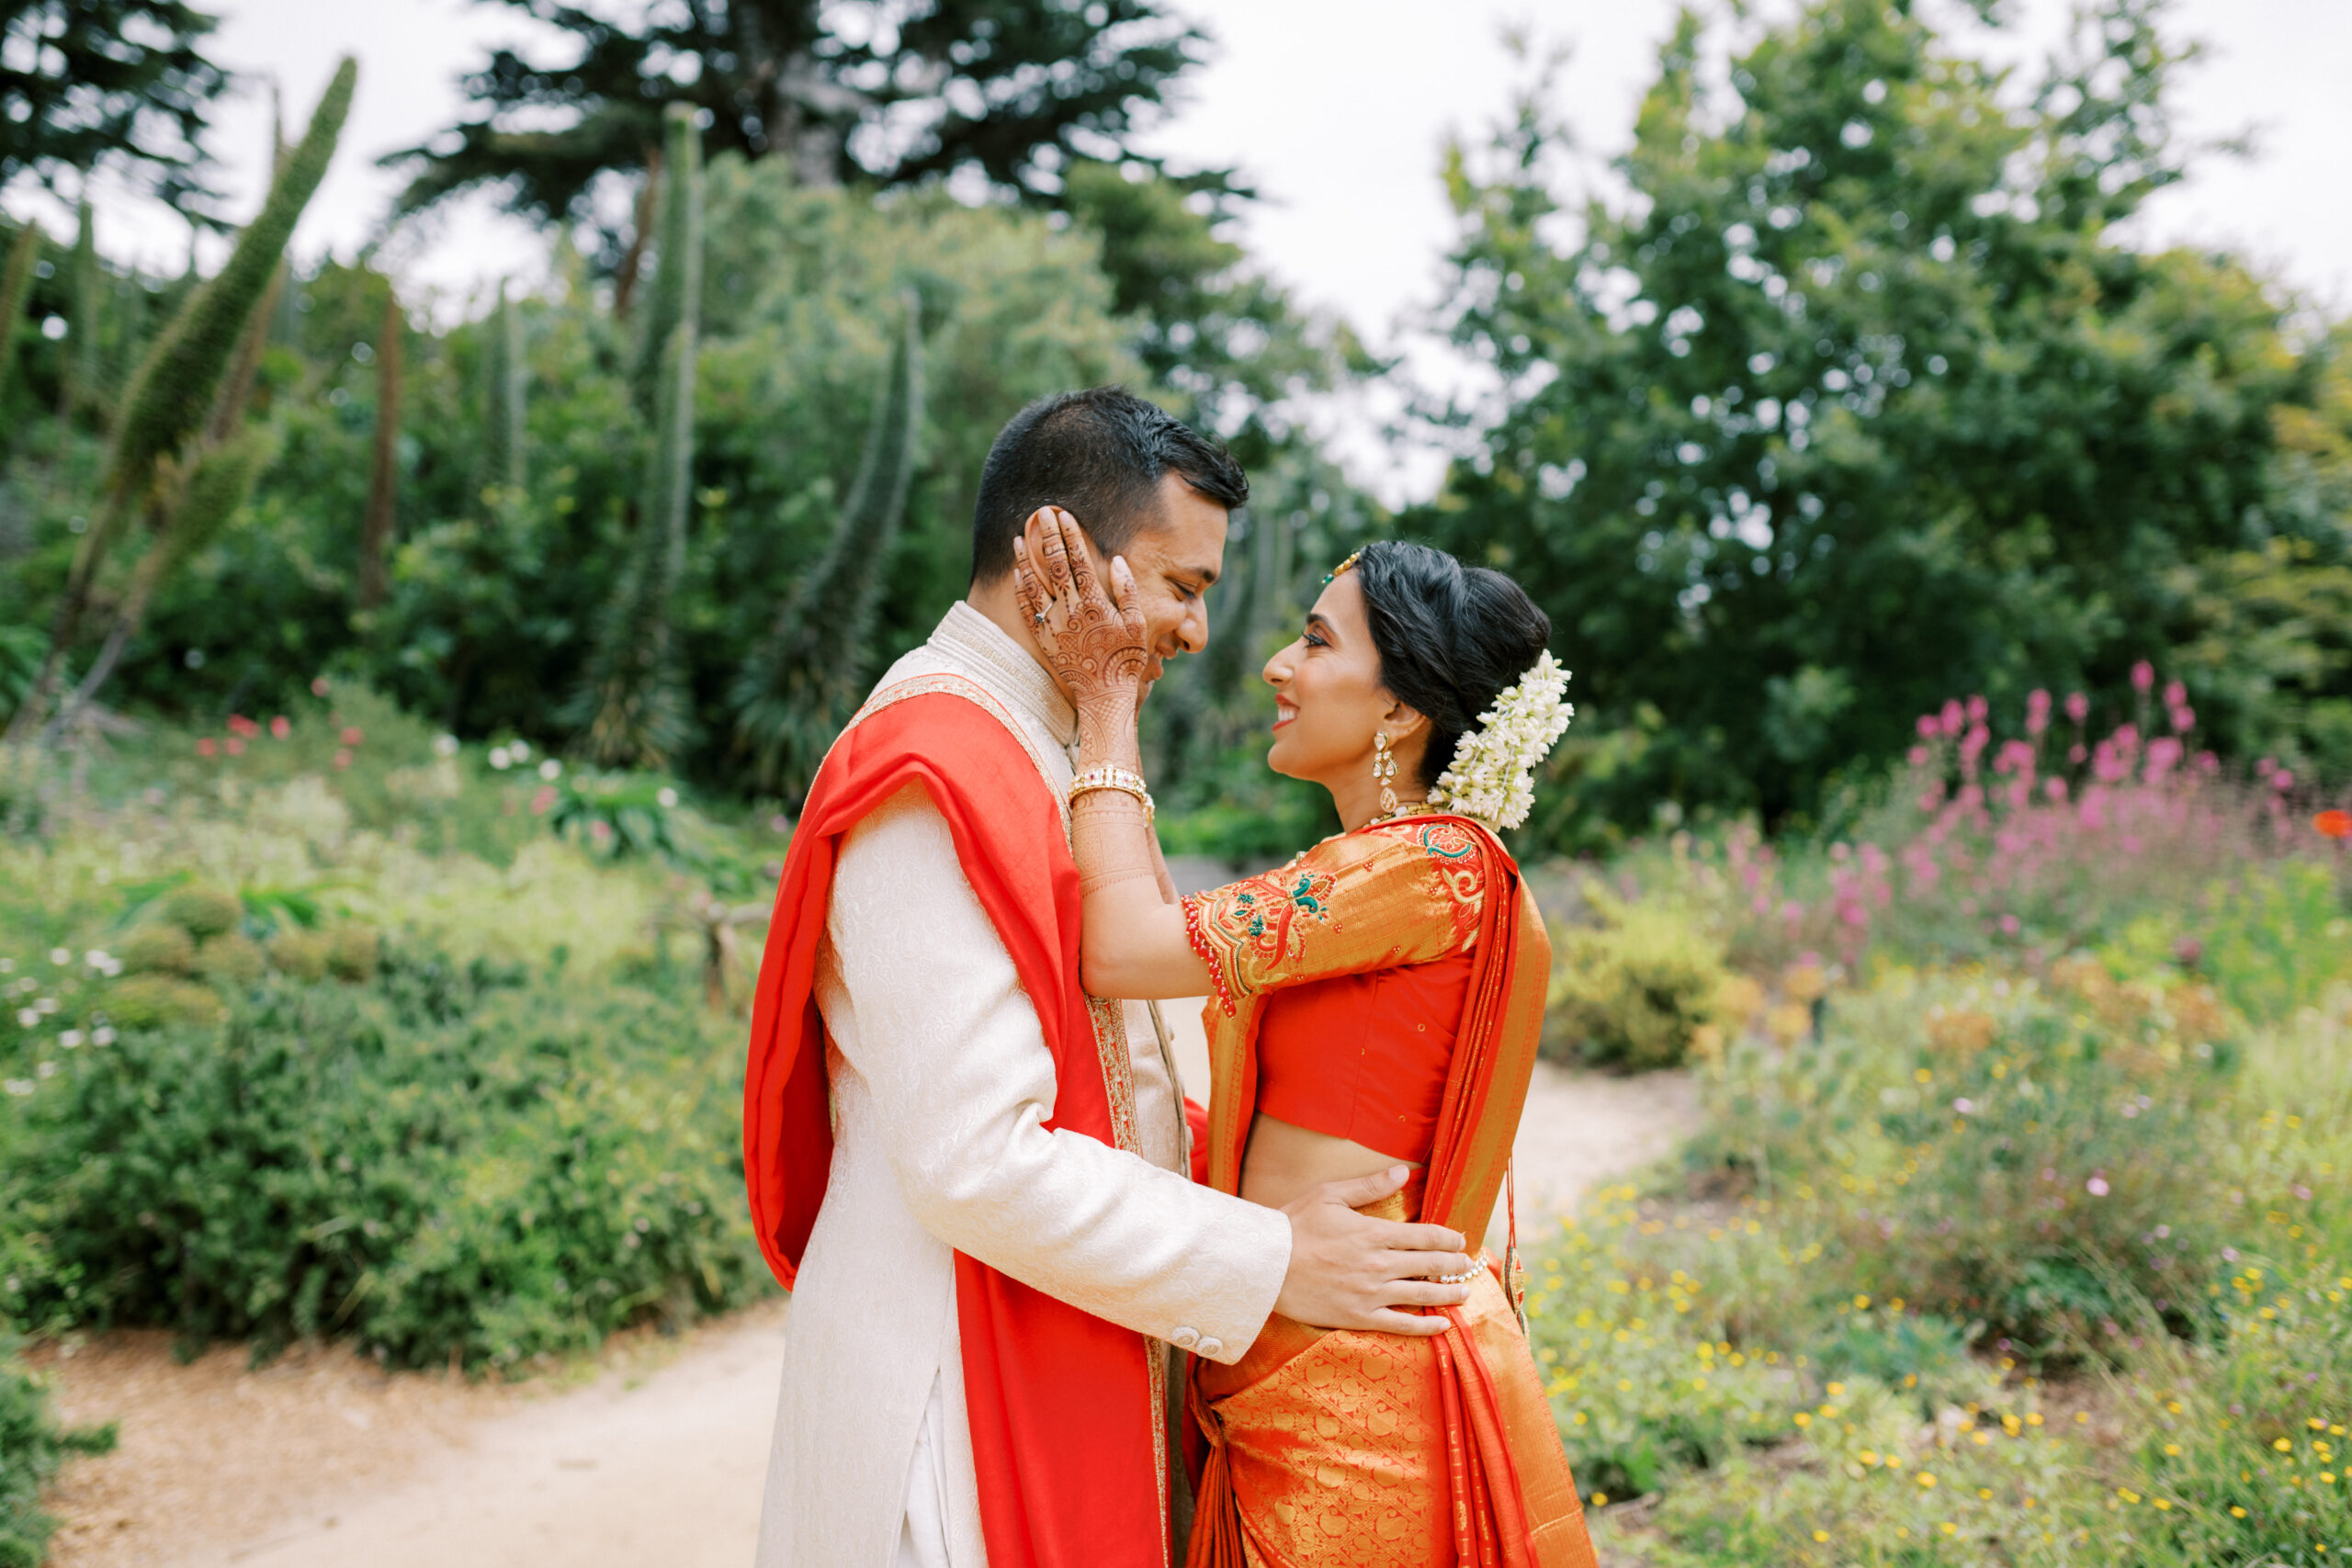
<point x="1285" y="1161"/>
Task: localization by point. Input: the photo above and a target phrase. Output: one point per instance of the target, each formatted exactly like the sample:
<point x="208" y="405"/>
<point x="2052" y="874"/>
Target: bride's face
<point x="1329" y="702"/>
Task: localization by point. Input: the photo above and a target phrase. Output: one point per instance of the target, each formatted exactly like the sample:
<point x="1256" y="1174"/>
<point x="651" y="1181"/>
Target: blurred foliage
<point x="31" y="1447"/>
<point x="1635" y="990"/>
<point x="1852" y="399"/>
<point x="119" y="83"/>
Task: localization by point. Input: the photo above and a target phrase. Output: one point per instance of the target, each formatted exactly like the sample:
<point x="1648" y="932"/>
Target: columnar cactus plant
<point x="634" y="704"/>
<point x="173" y="392"/>
<point x="794" y="692"/>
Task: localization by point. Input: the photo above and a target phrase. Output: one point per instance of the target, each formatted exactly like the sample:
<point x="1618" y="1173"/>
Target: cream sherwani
<point x="941" y="1086"/>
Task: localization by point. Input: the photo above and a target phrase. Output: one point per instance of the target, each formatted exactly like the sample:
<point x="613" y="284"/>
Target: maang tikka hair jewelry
<point x="1338" y="571"/>
<point x="1383" y="770"/>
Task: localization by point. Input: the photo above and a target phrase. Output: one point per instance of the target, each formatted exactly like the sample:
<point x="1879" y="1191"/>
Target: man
<point x="971" y="1174"/>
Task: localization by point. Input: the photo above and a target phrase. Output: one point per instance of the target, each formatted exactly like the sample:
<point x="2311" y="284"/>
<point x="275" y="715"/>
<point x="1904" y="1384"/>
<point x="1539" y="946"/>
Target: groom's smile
<point x="1175" y="560"/>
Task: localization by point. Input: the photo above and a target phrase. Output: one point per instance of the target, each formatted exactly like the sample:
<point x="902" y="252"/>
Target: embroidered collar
<point x="972" y="639"/>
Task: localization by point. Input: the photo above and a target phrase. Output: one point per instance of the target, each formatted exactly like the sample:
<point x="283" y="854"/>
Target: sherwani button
<point x="1186" y="1339"/>
<point x="1211" y="1347"/>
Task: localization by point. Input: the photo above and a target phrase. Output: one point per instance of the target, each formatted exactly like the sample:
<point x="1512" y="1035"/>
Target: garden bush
<point x="1634" y="990"/>
<point x="452" y="1163"/>
<point x="32" y="1447"/>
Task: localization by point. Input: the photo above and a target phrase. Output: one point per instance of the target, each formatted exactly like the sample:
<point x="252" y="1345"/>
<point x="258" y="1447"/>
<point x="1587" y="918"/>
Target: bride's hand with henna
<point x="1096" y="644"/>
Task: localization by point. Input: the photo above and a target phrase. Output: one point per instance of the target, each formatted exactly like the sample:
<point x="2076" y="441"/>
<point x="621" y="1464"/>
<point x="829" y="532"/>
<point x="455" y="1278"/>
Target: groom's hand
<point x="1348" y="1270"/>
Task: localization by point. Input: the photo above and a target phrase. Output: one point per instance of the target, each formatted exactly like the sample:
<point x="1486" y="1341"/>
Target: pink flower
<point x="2183" y="720"/>
<point x="2144" y="675"/>
<point x="2079" y="706"/>
<point x="2282" y="781"/>
<point x="2010" y="924"/>
<point x="2055" y="789"/>
<point x="2175" y="694"/>
<point x="279" y="727"/>
<point x="319" y="687"/>
<point x="1916" y="756"/>
<point x="1965" y="1107"/>
<point x="1951" y="718"/>
<point x="206" y="747"/>
<point x="342" y="759"/>
<point x="240" y="725"/>
<point x="2096" y="1187"/>
<point x="2163" y="756"/>
<point x="544" y="801"/>
<point x="600" y="831"/>
<point x="2077" y="753"/>
<point x="236" y="745"/>
<point x="352" y="737"/>
<point x="2208" y="763"/>
<point x="2127" y="739"/>
<point x="1977" y="709"/>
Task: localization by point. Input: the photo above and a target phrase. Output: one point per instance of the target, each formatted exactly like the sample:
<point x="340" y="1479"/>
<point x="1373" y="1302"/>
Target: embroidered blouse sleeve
<point x="1404" y="892"/>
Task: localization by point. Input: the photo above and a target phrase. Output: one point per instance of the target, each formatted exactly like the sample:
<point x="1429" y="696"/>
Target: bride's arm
<point x="1133" y="943"/>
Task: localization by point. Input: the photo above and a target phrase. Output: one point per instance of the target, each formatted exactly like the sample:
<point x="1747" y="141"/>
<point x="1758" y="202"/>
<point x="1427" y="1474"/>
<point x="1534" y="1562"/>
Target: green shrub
<point x="475" y="1162"/>
<point x="303" y="955"/>
<point x="2276" y="938"/>
<point x="352" y="952"/>
<point x="147" y="1001"/>
<point x="31" y="1447"/>
<point x="201" y="911"/>
<point x="159" y="949"/>
<point x="1634" y="991"/>
<point x="231" y="959"/>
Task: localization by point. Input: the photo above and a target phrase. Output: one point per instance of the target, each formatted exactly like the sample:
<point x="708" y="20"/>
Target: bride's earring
<point x="1383" y="770"/>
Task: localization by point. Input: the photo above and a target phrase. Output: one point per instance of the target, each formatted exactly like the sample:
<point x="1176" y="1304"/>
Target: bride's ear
<point x="1402" y="723"/>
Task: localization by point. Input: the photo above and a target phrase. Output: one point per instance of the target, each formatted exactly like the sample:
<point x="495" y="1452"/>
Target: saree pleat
<point x="1334" y="1447"/>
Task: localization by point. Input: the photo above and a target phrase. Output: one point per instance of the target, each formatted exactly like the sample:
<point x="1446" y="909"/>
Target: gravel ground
<point x="656" y="1459"/>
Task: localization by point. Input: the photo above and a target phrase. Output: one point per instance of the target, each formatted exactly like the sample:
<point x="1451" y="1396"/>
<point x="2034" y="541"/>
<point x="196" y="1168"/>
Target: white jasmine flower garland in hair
<point x="1493" y="776"/>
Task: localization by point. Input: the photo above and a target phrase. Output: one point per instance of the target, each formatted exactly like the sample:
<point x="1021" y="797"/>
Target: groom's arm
<point x="949" y="1045"/>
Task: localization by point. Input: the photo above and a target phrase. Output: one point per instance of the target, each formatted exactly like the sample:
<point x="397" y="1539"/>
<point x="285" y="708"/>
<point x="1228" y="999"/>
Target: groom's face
<point x="1175" y="558"/>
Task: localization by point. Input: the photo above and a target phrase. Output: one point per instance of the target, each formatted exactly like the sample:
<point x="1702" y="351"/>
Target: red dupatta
<point x="1064" y="1417"/>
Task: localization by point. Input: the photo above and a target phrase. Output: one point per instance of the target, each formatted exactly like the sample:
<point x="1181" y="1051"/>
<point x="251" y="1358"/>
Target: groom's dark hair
<point x="1100" y="454"/>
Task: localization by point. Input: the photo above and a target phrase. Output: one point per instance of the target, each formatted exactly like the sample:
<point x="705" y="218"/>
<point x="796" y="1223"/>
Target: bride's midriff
<point x="1285" y="1160"/>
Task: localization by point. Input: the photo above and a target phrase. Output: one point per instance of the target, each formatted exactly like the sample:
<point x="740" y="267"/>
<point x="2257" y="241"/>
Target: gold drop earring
<point x="1383" y="770"/>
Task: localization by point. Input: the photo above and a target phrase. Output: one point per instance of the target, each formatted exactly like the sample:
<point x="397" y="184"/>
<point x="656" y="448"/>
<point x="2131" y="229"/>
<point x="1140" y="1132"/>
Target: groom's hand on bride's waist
<point x="1349" y="1271"/>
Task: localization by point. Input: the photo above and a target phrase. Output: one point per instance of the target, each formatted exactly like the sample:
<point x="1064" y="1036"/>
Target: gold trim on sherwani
<point x="1326" y="1448"/>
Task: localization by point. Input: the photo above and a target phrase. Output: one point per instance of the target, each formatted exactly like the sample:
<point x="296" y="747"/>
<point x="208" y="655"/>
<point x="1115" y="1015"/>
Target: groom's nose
<point x="1192" y="631"/>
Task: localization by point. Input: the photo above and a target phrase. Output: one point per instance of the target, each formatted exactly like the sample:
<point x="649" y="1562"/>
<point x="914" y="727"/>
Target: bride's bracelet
<point x="1126" y="781"/>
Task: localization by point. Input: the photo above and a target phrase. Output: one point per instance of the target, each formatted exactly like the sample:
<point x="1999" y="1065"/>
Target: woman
<point x="1377" y="1001"/>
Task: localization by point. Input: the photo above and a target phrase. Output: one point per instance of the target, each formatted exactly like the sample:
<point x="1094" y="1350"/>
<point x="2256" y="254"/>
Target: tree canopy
<point x="86" y="82"/>
<point x="1012" y="89"/>
<point x="1854" y="401"/>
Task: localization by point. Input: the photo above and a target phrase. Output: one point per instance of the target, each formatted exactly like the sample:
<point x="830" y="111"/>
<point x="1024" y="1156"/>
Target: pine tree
<point x="796" y="690"/>
<point x="173" y="392"/>
<point x="634" y="701"/>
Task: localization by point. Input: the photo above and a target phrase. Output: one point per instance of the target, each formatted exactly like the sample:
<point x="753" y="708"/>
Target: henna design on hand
<point x="1098" y="648"/>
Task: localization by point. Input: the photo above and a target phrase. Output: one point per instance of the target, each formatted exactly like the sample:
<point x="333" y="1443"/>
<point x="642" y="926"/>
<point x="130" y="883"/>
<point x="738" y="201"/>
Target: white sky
<point x="1336" y="110"/>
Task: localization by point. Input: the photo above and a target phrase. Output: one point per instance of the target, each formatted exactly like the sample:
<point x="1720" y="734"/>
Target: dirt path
<point x="320" y="1458"/>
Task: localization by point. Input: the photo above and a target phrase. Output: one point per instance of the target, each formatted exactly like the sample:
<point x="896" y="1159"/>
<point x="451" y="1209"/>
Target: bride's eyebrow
<point x="1316" y="623"/>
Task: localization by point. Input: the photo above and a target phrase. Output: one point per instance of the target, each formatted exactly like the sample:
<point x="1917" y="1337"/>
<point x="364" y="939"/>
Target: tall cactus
<point x="794" y="692"/>
<point x="85" y="282"/>
<point x="503" y="466"/>
<point x="16" y="288"/>
<point x="677" y="279"/>
<point x="199" y="513"/>
<point x="171" y="393"/>
<point x="383" y="478"/>
<point x="634" y="704"/>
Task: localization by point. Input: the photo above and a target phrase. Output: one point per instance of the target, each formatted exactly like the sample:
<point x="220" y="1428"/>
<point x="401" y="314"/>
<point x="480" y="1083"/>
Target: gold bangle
<point x="1124" y="780"/>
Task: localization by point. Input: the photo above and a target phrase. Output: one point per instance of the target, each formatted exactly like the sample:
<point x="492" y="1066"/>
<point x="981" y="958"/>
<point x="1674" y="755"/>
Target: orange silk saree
<point x="1329" y="1448"/>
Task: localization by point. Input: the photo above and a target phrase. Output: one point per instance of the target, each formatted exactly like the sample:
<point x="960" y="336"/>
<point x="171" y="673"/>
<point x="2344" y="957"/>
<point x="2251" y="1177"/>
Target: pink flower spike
<point x="2282" y="781"/>
<point x="206" y="747"/>
<point x="2079" y="706"/>
<point x="2176" y="693"/>
<point x="352" y="737"/>
<point x="544" y="802"/>
<point x="1916" y="756"/>
<point x="280" y="727"/>
<point x="2144" y="675"/>
<point x="2055" y="789"/>
<point x="1977" y="709"/>
<point x="1928" y="727"/>
<point x="1952" y="718"/>
<point x="2077" y="753"/>
<point x="2184" y="719"/>
<point x="319" y="687"/>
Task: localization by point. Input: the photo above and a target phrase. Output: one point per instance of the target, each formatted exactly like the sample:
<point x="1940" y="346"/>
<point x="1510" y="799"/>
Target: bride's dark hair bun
<point x="1451" y="637"/>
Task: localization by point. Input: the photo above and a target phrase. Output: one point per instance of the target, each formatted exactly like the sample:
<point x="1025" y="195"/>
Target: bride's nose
<point x="1277" y="671"/>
